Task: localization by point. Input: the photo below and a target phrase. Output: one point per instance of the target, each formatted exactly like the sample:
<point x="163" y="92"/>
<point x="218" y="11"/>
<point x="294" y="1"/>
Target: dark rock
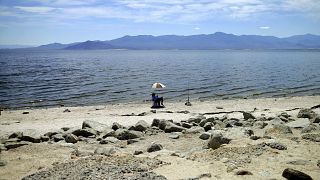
<point x="247" y="115"/>
<point x="219" y="107"/>
<point x="141" y="125"/>
<point x="196" y="119"/>
<point x="278" y="129"/>
<point x="99" y="127"/>
<point x="255" y="137"/>
<point x="103" y="141"/>
<point x="31" y="136"/>
<point x="13" y="145"/>
<point x="207" y="126"/>
<point x="285" y="114"/>
<point x="123" y="134"/>
<point x="25" y="112"/>
<point x="71" y="138"/>
<point x="186" y="125"/>
<point x="137" y="152"/>
<point x="131" y="141"/>
<point x="205" y="135"/>
<point x="44" y="138"/>
<point x="3" y="163"/>
<point x="65" y="128"/>
<point x="163" y="123"/>
<point x="50" y="134"/>
<point x="243" y="172"/>
<point x="115" y="126"/>
<point x="292" y="174"/>
<point x="275" y="145"/>
<point x="306" y="113"/>
<point x="84" y="132"/>
<point x="216" y="140"/>
<point x="170" y="127"/>
<point x="107" y="133"/>
<point x="311" y="137"/>
<point x="66" y="110"/>
<point x="310" y="128"/>
<point x="154" y="147"/>
<point x="203" y="122"/>
<point x="16" y="135"/>
<point x="155" y="122"/>
<point x="315" y="119"/>
<point x="107" y="151"/>
<point x="318" y="163"/>
<point x="57" y="137"/>
<point x="299" y="123"/>
<point x="12" y="140"/>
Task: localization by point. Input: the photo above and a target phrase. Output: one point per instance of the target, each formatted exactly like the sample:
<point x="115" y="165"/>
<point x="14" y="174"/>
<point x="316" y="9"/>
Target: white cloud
<point x="36" y="9"/>
<point x="264" y="27"/>
<point x="197" y="28"/>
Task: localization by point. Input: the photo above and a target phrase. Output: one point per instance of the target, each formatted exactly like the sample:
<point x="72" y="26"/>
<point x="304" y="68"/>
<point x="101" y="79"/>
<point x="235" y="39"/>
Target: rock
<point x="107" y="151"/>
<point x="318" y="163"/>
<point x="123" y="134"/>
<point x="103" y="141"/>
<point x="86" y="132"/>
<point x="216" y="140"/>
<point x="16" y="135"/>
<point x="44" y="138"/>
<point x="154" y="147"/>
<point x="300" y="123"/>
<point x="115" y="126"/>
<point x="155" y="122"/>
<point x="292" y="174"/>
<point x="170" y="127"/>
<point x="50" y="134"/>
<point x="195" y="130"/>
<point x="25" y="112"/>
<point x="186" y="125"/>
<point x="279" y="129"/>
<point x="137" y="152"/>
<point x="275" y="121"/>
<point x="107" y="133"/>
<point x="141" y="125"/>
<point x="260" y="124"/>
<point x="163" y="123"/>
<point x="312" y="137"/>
<point x="219" y="107"/>
<point x="131" y="141"/>
<point x="247" y="115"/>
<point x="285" y="114"/>
<point x="12" y="140"/>
<point x="275" y="145"/>
<point x="66" y="110"/>
<point x="298" y="162"/>
<point x="13" y="145"/>
<point x="203" y="122"/>
<point x="243" y="172"/>
<point x="2" y="148"/>
<point x="65" y="128"/>
<point x="315" y="119"/>
<point x="207" y="126"/>
<point x="57" y="137"/>
<point x="112" y="139"/>
<point x="306" y="113"/>
<point x="174" y="136"/>
<point x="238" y="133"/>
<point x="3" y="163"/>
<point x="196" y="119"/>
<point x="219" y="125"/>
<point x="71" y="138"/>
<point x="31" y="136"/>
<point x="205" y="135"/>
<point x="255" y="137"/>
<point x="310" y="128"/>
<point x="99" y="127"/>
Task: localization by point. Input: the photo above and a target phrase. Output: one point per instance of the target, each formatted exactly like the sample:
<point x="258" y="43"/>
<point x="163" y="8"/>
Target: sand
<point x="184" y="157"/>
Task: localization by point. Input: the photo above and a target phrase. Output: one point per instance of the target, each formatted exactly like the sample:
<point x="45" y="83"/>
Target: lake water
<point x="72" y="78"/>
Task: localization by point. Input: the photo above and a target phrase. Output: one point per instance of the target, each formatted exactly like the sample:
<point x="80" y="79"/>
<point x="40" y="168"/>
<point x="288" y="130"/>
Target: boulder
<point x="205" y="135"/>
<point x="107" y="133"/>
<point x="16" y="135"/>
<point x="123" y="134"/>
<point x="154" y="147"/>
<point x="216" y="140"/>
<point x="306" y="113"/>
<point x="186" y="125"/>
<point x="196" y="119"/>
<point x="71" y="138"/>
<point x="170" y="127"/>
<point x="299" y="123"/>
<point x="99" y="127"/>
<point x="247" y="115"/>
<point x="13" y="145"/>
<point x="141" y="125"/>
<point x="278" y="129"/>
<point x="57" y="137"/>
<point x="316" y="119"/>
<point x="86" y="132"/>
<point x="292" y="174"/>
<point x="50" y="134"/>
<point x="116" y="126"/>
<point x="155" y="122"/>
<point x="207" y="126"/>
<point x="163" y="123"/>
<point x="195" y="130"/>
<point x="31" y="135"/>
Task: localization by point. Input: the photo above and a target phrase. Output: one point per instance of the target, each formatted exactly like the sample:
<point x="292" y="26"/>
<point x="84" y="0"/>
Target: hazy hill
<point x="90" y="45"/>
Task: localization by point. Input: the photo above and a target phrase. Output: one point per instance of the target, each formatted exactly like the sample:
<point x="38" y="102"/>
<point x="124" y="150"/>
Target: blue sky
<point x="35" y="22"/>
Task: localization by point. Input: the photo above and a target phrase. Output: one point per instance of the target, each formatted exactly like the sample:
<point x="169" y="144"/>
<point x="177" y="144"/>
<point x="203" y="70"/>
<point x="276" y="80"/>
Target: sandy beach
<point x="257" y="139"/>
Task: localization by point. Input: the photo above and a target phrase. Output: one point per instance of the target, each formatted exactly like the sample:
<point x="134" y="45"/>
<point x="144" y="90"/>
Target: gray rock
<point x="3" y="163"/>
<point x="247" y="115"/>
<point x="2" y="147"/>
<point x="205" y="135"/>
<point x="207" y="126"/>
<point x="123" y="134"/>
<point x="50" y="134"/>
<point x="86" y="132"/>
<point x="99" y="127"/>
<point x="255" y="137"/>
<point x="12" y="140"/>
<point x="310" y="128"/>
<point x="196" y="119"/>
<point x="137" y="152"/>
<point x="112" y="139"/>
<point x="115" y="126"/>
<point x="279" y="129"/>
<point x="243" y="172"/>
<point x="300" y="123"/>
<point x="71" y="138"/>
<point x="315" y="119"/>
<point x="306" y="113"/>
<point x="170" y="127"/>
<point x="203" y="122"/>
<point x="238" y="133"/>
<point x="311" y="137"/>
<point x="16" y="135"/>
<point x="13" y="145"/>
<point x="195" y="130"/>
<point x="292" y="174"/>
<point x="216" y="140"/>
<point x="174" y="136"/>
<point x="285" y="114"/>
<point x="131" y="141"/>
<point x="31" y="135"/>
<point x="107" y="133"/>
<point x="260" y="124"/>
<point x="103" y="141"/>
<point x="155" y="122"/>
<point x="141" y="125"/>
<point x="275" y="120"/>
<point x="275" y="145"/>
<point x="107" y="151"/>
<point x="44" y="138"/>
<point x="154" y="147"/>
<point x="298" y="162"/>
<point x="57" y="137"/>
<point x="186" y="125"/>
<point x="219" y="125"/>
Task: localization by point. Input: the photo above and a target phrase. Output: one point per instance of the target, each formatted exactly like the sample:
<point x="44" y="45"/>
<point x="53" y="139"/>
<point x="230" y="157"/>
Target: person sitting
<point x="157" y="101"/>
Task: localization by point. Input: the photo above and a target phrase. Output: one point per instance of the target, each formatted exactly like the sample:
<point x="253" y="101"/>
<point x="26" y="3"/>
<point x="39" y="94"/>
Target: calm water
<point x="50" y="78"/>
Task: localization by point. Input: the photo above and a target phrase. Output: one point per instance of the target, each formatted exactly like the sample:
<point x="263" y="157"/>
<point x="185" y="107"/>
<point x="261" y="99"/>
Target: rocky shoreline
<point x="256" y="144"/>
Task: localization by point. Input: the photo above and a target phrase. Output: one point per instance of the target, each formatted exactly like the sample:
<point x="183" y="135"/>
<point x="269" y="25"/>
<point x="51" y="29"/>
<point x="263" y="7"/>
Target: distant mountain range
<point x="218" y="40"/>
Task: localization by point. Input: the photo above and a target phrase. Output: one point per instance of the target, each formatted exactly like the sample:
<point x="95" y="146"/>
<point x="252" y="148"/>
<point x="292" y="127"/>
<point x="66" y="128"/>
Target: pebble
<point x="292" y="174"/>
